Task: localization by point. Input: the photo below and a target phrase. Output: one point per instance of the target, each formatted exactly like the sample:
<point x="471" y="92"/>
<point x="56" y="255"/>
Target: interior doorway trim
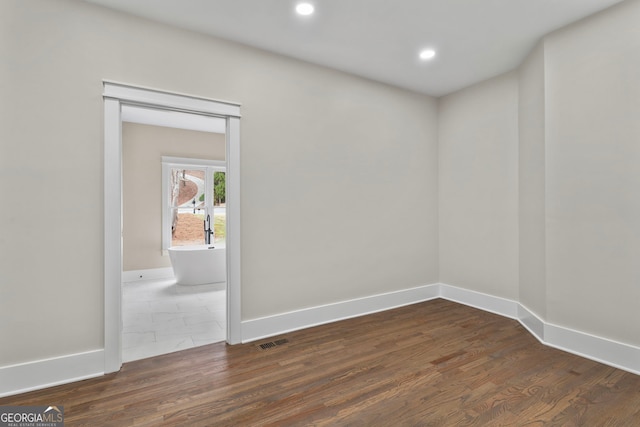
<point x="115" y="96"/>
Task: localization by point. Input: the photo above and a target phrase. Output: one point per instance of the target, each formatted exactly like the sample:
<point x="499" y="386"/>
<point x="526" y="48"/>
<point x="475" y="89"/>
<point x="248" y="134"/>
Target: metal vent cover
<point x="272" y="344"/>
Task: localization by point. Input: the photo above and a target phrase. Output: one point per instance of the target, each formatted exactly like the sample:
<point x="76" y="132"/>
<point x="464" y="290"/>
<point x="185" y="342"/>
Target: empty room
<point x="278" y="212"/>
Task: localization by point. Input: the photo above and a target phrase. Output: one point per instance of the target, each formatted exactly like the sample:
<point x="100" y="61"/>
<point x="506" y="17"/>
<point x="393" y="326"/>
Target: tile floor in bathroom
<point x="161" y="317"/>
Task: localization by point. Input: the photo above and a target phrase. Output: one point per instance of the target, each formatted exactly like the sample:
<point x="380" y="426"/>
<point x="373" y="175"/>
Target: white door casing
<point x="115" y="96"/>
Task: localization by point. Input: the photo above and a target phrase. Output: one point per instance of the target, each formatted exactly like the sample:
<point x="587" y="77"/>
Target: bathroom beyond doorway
<point x="161" y="317"/>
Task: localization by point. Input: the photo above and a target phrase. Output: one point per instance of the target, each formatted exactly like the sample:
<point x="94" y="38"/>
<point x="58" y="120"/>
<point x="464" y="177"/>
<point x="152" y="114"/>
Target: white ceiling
<point x="380" y="39"/>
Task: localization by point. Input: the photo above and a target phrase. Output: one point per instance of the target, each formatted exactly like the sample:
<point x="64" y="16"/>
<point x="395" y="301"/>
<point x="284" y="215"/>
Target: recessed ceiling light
<point x="427" y="54"/>
<point x="304" y="9"/>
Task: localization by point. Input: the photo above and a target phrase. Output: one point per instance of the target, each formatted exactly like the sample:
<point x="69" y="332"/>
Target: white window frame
<point x="169" y="163"/>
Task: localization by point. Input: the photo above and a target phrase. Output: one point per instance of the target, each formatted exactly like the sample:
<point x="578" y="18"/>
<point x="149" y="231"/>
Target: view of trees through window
<point x="196" y="193"/>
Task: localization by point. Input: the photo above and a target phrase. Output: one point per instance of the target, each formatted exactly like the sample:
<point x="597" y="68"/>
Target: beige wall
<point x="574" y="165"/>
<point x="593" y="174"/>
<point x="531" y="167"/>
<point x="338" y="180"/>
<point x="478" y="141"/>
<point x="341" y="176"/>
<point x="142" y="149"/>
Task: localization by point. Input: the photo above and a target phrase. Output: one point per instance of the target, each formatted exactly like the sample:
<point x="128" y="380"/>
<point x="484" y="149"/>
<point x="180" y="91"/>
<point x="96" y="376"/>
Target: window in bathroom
<point x="193" y="201"/>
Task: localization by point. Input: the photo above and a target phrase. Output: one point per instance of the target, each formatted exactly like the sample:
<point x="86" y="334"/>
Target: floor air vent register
<point x="272" y="344"/>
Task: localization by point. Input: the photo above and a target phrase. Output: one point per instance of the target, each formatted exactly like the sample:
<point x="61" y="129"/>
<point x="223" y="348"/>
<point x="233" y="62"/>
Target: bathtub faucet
<point x="208" y="232"/>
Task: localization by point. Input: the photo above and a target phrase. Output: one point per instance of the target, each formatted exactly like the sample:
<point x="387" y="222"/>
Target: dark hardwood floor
<point x="431" y="364"/>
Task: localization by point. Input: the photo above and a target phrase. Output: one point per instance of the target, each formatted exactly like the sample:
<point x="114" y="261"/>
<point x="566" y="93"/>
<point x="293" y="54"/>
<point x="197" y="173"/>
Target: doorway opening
<point x="173" y="290"/>
<point x="119" y="97"/>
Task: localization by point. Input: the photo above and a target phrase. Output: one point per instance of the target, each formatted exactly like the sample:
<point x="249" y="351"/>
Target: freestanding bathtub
<point x="198" y="265"/>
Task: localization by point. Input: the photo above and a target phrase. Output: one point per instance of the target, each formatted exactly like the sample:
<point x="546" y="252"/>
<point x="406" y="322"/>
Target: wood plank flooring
<point x="436" y="363"/>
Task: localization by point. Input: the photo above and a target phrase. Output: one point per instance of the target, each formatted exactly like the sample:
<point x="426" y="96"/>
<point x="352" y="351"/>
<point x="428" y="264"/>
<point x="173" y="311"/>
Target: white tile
<point x="161" y="317"/>
<point x="186" y="330"/>
<point x="157" y="348"/>
<point x="210" y="340"/>
<point x="192" y="307"/>
<point x="164" y="306"/>
<point x="215" y="334"/>
<point x="218" y="309"/>
<point x="134" y="306"/>
<point x="133" y="339"/>
<point x="200" y="289"/>
<point x="203" y="317"/>
<point x="138" y="327"/>
<point x="168" y="319"/>
<point x="133" y="317"/>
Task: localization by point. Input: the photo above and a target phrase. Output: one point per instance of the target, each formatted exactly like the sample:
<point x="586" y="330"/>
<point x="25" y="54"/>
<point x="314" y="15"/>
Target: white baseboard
<point x="618" y="355"/>
<point x="149" y="274"/>
<point x="269" y="326"/>
<point x="29" y="376"/>
<point x="23" y="377"/>
<point x="603" y="350"/>
<point x="490" y="303"/>
<point x="531" y="322"/>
